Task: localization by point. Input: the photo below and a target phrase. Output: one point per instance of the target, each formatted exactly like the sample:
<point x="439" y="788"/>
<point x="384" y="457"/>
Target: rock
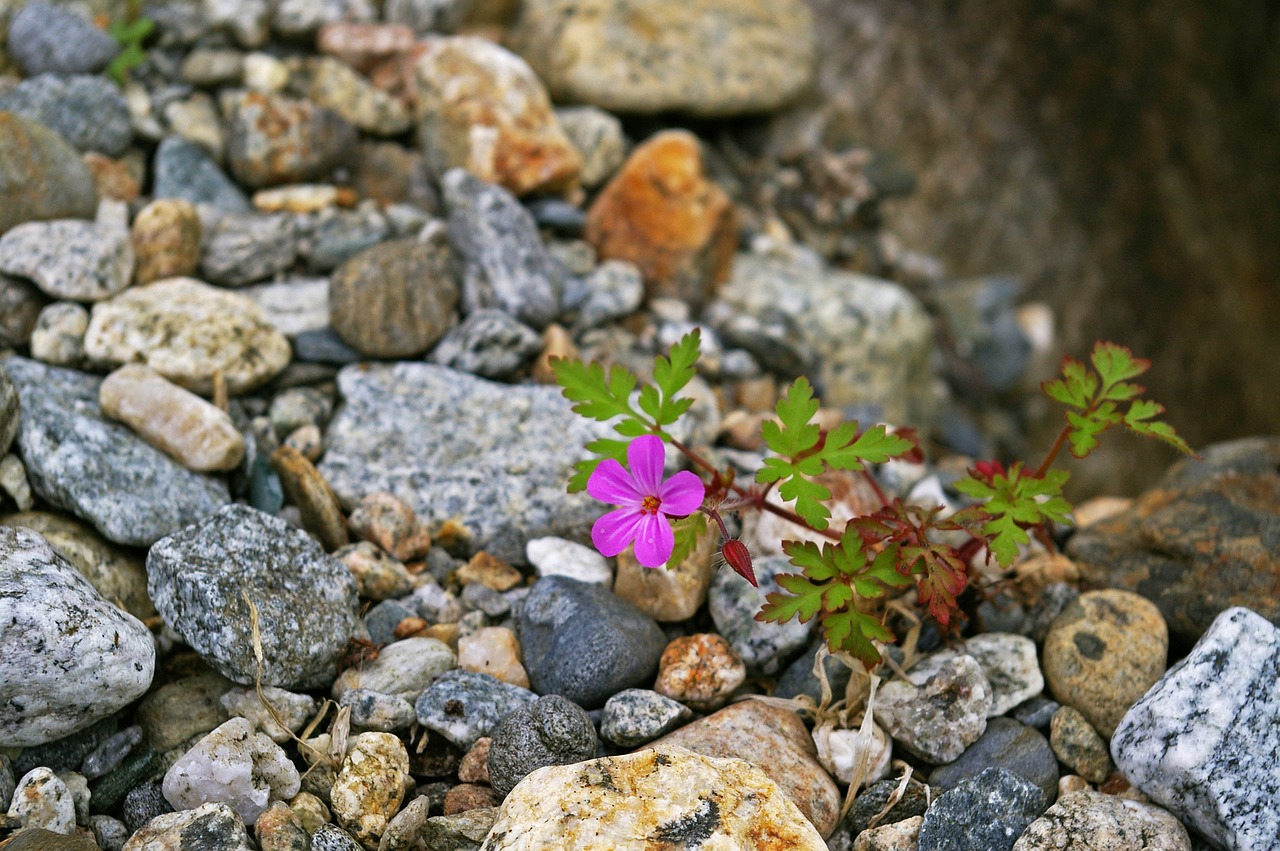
<point x="187" y="331"/>
<point x="310" y="810"/>
<point x="1011" y="667"/>
<point x="77" y="460"/>
<point x="242" y="248"/>
<point x="840" y="751"/>
<point x="582" y="642"/>
<point x="112" y="179"/>
<point x="460" y="832"/>
<point x="489" y="572"/>
<point x="301" y="20"/>
<point x="1199" y="541"/>
<point x="41" y="176"/>
<point x="493" y="650"/>
<point x="336" y="86"/>
<point x="273" y="139"/>
<point x="195" y="433"/>
<point x="89" y="112"/>
<point x="462" y="706"/>
<point x="332" y="838"/>
<point x="548" y="731"/>
<point x="765" y="648"/>
<point x="900" y="836"/>
<point x="370" y="785"/>
<point x="178" y="711"/>
<point x="48" y="39"/>
<point x="58" y="337"/>
<point x="615" y="290"/>
<point x="214" y="823"/>
<point x="1103" y="652"/>
<point x="553" y="556"/>
<point x="294" y="709"/>
<point x="395" y="300"/>
<point x="1004" y="744"/>
<point x="488" y="343"/>
<point x="871" y="339"/>
<point x="197" y="120"/>
<point x="279" y="829"/>
<point x="658" y="797"/>
<point x="635" y="716"/>
<point x="295" y="306"/>
<point x="429" y="16"/>
<point x="386" y="521"/>
<point x="142" y="803"/>
<point x="873" y="800"/>
<point x="1091" y="821"/>
<point x="340" y="235"/>
<point x="701" y="671"/>
<point x="661" y="213"/>
<point x="20" y="302"/>
<point x="710" y="58"/>
<point x="799" y="678"/>
<point x="364" y="45"/>
<point x="306" y="601"/>
<point x="479" y="107"/>
<point x="672" y="593"/>
<point x="402" y="668"/>
<point x="1202" y="741"/>
<point x="235" y="766"/>
<point x="307" y="489"/>
<point x="1078" y="746"/>
<point x="599" y="139"/>
<point x="42" y="800"/>
<point x="777" y="741"/>
<point x="108" y="756"/>
<point x="13" y="481"/>
<point x="939" y="710"/>
<point x="389" y="173"/>
<point x="469" y="796"/>
<point x="442" y="442"/>
<point x="373" y="710"/>
<point x="67" y="259"/>
<point x="183" y="170"/>
<point x="984" y="813"/>
<point x="508" y="267"/>
<point x="9" y="411"/>
<point x="166" y="240"/>
<point x="378" y="576"/>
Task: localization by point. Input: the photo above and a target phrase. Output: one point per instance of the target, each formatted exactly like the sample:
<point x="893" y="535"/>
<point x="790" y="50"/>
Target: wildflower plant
<point x="887" y="550"/>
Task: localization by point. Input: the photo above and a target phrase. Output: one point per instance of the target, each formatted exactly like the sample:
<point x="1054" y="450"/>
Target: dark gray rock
<point x="375" y="710"/>
<point x="46" y="39"/>
<point x="582" y="642"/>
<point x="463" y="705"/>
<point x="765" y="648"/>
<point x="507" y="265"/>
<point x="323" y="345"/>
<point x="67" y="753"/>
<point x="305" y="599"/>
<point x="212" y="825"/>
<point x="242" y="249"/>
<point x="142" y="804"/>
<point x="184" y="170"/>
<point x="10" y="407"/>
<point x="634" y="716"/>
<point x="488" y="343"/>
<point x="107" y="756"/>
<point x="984" y="813"/>
<point x="549" y="731"/>
<point x="989" y="348"/>
<point x="914" y="801"/>
<point x="1036" y="712"/>
<point x="99" y="470"/>
<point x="1005" y="744"/>
<point x="381" y="620"/>
<point x="89" y="112"/>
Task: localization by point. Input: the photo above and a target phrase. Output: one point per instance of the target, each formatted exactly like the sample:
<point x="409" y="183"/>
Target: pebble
<point x="112" y="179"/>
<point x="441" y="440"/>
<point x="42" y="800"/>
<point x="488" y="343"/>
<point x="390" y="173"/>
<point x="69" y="259"/>
<point x="142" y="803"/>
<point x="41" y="176"/>
<point x="20" y="304"/>
<point x="403" y="668"/>
<point x="429" y="16"/>
<point x="614" y="290"/>
<point x="765" y="648"/>
<point x="1202" y="742"/>
<point x="661" y="213"/>
<point x="274" y="139"/>
<point x="307" y="489"/>
<point x="553" y="556"/>
<point x="939" y="710"/>
<point x="479" y="107"/>
<point x="1078" y="746"/>
<point x="306" y="600"/>
<point x="243" y="248"/>
<point x="437" y="604"/>
<point x="183" y="170"/>
<point x="984" y="813"/>
<point x="493" y="650"/>
<point x="333" y="838"/>
<point x="378" y="576"/>
<point x="899" y="836"/>
<point x="1009" y="745"/>
<point x="294" y="709"/>
<point x="87" y="111"/>
<point x="48" y="39"/>
<point x="370" y="785"/>
<point x="296" y="407"/>
<point x="13" y="481"/>
<point x="301" y="20"/>
<point x="382" y="519"/>
<point x="711" y="58"/>
<point x="548" y="731"/>
<point x="336" y="86"/>
<point x="459" y="832"/>
<point x="279" y="829"/>
<point x="233" y="765"/>
<point x="302" y="198"/>
<point x="140" y="768"/>
<point x="701" y="671"/>
<point x="799" y="678"/>
<point x="469" y="796"/>
<point x="339" y="235"/>
<point x="396" y="299"/>
<point x="179" y="711"/>
<point x="1091" y="820"/>
<point x="507" y="266"/>
<point x="872" y="801"/>
<point x="107" y="756"/>
<point x="671" y="593"/>
<point x="1011" y="667"/>
<point x="58" y="337"/>
<point x="310" y="810"/>
<point x="364" y="45"/>
<point x="373" y="710"/>
<point x="10" y="407"/>
<point x="462" y="706"/>
<point x="489" y="572"/>
<point x="599" y="139"/>
<point x="111" y="834"/>
<point x="187" y="331"/>
<point x="661" y="797"/>
<point x="94" y="660"/>
<point x="211" y="67"/>
<point x="634" y="716"/>
<point x="215" y="823"/>
<point x="1103" y="652"/>
<point x="196" y="119"/>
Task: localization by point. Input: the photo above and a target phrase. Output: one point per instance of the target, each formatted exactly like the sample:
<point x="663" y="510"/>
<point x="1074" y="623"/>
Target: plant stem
<point x="875" y="486"/>
<point x="1052" y="454"/>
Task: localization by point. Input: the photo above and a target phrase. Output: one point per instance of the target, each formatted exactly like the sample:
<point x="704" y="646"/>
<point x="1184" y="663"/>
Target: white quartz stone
<point x="1011" y="666"/>
<point x="233" y="765"/>
<point x="560" y="557"/>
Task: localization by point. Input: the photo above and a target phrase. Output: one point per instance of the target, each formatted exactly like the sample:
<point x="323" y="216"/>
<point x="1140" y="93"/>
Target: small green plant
<point x="131" y="31"/>
<point x="893" y="547"/>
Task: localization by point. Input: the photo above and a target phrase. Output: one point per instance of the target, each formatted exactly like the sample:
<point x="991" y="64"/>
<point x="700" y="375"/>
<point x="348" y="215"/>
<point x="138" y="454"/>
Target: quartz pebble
<point x="58" y="337"/>
<point x="700" y="671"/>
<point x="553" y="556"/>
<point x="493" y="650"/>
<point x="42" y="799"/>
<point x="370" y="785"/>
<point x="402" y="668"/>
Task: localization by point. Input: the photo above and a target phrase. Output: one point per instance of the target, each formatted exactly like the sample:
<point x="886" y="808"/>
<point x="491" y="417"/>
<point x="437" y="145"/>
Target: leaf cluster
<point x="1014" y="502"/>
<point x="130" y="34"/>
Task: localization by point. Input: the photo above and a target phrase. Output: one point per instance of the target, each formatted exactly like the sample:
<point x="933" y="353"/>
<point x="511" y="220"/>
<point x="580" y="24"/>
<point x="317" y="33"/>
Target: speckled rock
<point x="599" y="139"/>
<point x="183" y="170"/>
<point x="672" y="593"/>
<point x="373" y="710"/>
<point x="664" y="796"/>
<point x="214" y="823"/>
<point x="774" y="739"/>
<point x="306" y="601"/>
<point x="242" y="248"/>
<point x="279" y="829"/>
<point x="176" y="712"/>
<point x="1103" y="652"/>
<point x="58" y="338"/>
<point x="1078" y="746"/>
<point x="764" y="647"/>
<point x="294" y="709"/>
<point x="700" y="671"/>
<point x="1004" y="744"/>
<point x="939" y="710"/>
<point x="44" y="38"/>
<point x="1202" y="741"/>
<point x="1091" y="821"/>
<point x="78" y="460"/>
<point x="462" y="706"/>
<point x="444" y="443"/>
<point x="166" y="240"/>
<point x="661" y="213"/>
<point x="984" y="813"/>
<point x="403" y="668"/>
<point x="41" y="176"/>
<point x="481" y="108"/>
<point x="1011" y="667"/>
<point x="70" y="259"/>
<point x="370" y="785"/>
<point x="88" y="111"/>
<point x="333" y="838"/>
<point x="549" y="731"/>
<point x="488" y="343"/>
<point x="709" y="57"/>
<point x="635" y="716"/>
<point x="336" y="86"/>
<point x="872" y="801"/>
<point x="233" y="765"/>
<point x="273" y="139"/>
<point x="187" y="331"/>
<point x="42" y="800"/>
<point x="378" y="576"/>
<point x="460" y="832"/>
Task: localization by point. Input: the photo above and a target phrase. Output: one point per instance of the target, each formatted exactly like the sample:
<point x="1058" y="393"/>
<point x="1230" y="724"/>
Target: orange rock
<point x="700" y="671"/>
<point x="111" y="177"/>
<point x="661" y="213"/>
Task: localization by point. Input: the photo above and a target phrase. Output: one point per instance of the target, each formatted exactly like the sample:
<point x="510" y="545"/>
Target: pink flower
<point x="646" y="502"/>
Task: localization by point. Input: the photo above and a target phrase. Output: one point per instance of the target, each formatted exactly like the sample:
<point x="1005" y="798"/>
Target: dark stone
<point x="1005" y="744"/>
<point x="914" y="801"/>
<point x="67" y="753"/>
<point x="1036" y="712"/>
<point x="984" y="813"/>
<point x="142" y="804"/>
<point x="798" y="678"/>
<point x="548" y="731"/>
<point x="183" y="170"/>
<point x="108" y="791"/>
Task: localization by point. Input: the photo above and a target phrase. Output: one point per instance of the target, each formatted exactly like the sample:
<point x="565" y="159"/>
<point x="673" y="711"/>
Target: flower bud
<point x="737" y="556"/>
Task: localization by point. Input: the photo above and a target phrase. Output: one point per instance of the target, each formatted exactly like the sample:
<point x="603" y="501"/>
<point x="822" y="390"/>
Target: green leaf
<point x="688" y="531"/>
<point x="853" y="631"/>
<point x="809" y="558"/>
<point x="1116" y="363"/>
<point x="671" y="374"/>
<point x="808" y="497"/>
<point x="605" y="447"/>
<point x="1136" y="420"/>
<point x="798" y="598"/>
<point x="598" y="397"/>
<point x="795" y="434"/>
<point x="1015" y="502"/>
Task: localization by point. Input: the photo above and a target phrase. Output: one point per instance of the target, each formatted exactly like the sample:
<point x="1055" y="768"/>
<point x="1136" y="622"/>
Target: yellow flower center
<point x="649" y="505"/>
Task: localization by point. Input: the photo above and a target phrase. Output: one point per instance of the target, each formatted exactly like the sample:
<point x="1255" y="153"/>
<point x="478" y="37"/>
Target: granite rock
<point x="462" y="706"/>
<point x="939" y="710"/>
<point x="242" y="248"/>
<point x="1011" y="667"/>
<point x="488" y="343"/>
<point x="635" y="716"/>
<point x="403" y="668"/>
<point x="1091" y="821"/>
<point x="89" y="112"/>
<point x="41" y="800"/>
<point x="984" y="813"/>
<point x="44" y="38"/>
<point x="1004" y="744"/>
<point x="216" y="824"/>
<point x="41" y="176"/>
<point x="549" y="731"/>
<point x="599" y="139"/>
<point x="20" y="301"/>
<point x="58" y="338"/>
<point x="70" y="259"/>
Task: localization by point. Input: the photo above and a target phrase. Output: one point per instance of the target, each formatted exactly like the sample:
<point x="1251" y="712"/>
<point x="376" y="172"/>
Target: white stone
<point x="402" y="668"/>
<point x="1011" y="666"/>
<point x="233" y="765"/>
<point x="493" y="650"/>
<point x="370" y="785"/>
<point x="553" y="556"/>
<point x="41" y="799"/>
<point x="1091" y="820"/>
<point x="58" y="337"/>
<point x="294" y="709"/>
<point x="294" y="306"/>
<point x="13" y="481"/>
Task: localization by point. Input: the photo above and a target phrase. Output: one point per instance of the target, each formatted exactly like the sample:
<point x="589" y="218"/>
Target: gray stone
<point x="488" y="343"/>
<point x="428" y="16"/>
<point x="99" y="470"/>
<point x="330" y="837"/>
<point x="20" y="302"/>
<point x="402" y="668"/>
<point x="339" y="235"/>
<point x="1091" y="821"/>
<point x="381" y="620"/>
<point x="939" y="709"/>
<point x="273" y="139"/>
<point x="245" y="20"/>
<point x="107" y="756"/>
<point x="1010" y="665"/>
<point x="765" y="648"/>
<point x="635" y="716"/>
<point x="298" y="407"/>
<point x="110" y="833"/>
<point x="41" y="176"/>
<point x="89" y="112"/>
<point x="799" y="679"/>
<point x="69" y="259"/>
<point x="1004" y="744"/>
<point x="294" y="306"/>
<point x="613" y="291"/>
<point x="183" y="170"/>
<point x="980" y="318"/>
<point x="142" y="803"/>
<point x="1202" y="741"/>
<point x="549" y="731"/>
<point x="212" y="825"/>
<point x="462" y="705"/>
<point x="10" y="407"/>
<point x="460" y="832"/>
<point x="374" y="710"/>
<point x="288" y="713"/>
<point x="243" y="249"/>
<point x="47" y="39"/>
<point x="306" y="600"/>
<point x="67" y="753"/>
<point x="1078" y="746"/>
<point x="584" y="643"/>
<point x="67" y="657"/>
<point x="598" y="137"/>
<point x="450" y="445"/>
<point x="58" y="337"/>
<point x="302" y="19"/>
<point x="984" y="813"/>
<point x="507" y="265"/>
<point x="871" y="802"/>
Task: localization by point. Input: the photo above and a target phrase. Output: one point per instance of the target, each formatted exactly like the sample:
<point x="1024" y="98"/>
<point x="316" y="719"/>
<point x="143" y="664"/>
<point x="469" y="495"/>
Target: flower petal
<point x="681" y="494"/>
<point x="645" y="456"/>
<point x="614" y="531"/>
<point x="610" y="482"/>
<point x="654" y="540"/>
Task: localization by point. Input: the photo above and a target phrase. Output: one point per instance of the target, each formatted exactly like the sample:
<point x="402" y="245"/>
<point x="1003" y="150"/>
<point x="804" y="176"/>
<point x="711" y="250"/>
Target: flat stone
<point x="243" y="248"/>
<point x="215" y="823"/>
<point x="99" y="470"/>
<point x="293" y="710"/>
<point x="295" y="305"/>
<point x="307" y="489"/>
<point x="44" y="38"/>
<point x="1010" y="665"/>
<point x="552" y="556"/>
<point x="1004" y="744"/>
<point x="364" y="45"/>
<point x="92" y="658"/>
<point x="1078" y="746"/>
<point x="182" y="169"/>
<point x="463" y="706"/>
<point x="939" y="710"/>
<point x="81" y="261"/>
<point x="1091" y="821"/>
<point x="301" y="20"/>
<point x="88" y="111"/>
<point x="273" y="139"/>
<point x="41" y="176"/>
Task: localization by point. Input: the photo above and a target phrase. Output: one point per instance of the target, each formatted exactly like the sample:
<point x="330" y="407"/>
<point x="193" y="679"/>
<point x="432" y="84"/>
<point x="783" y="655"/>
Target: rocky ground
<point x="286" y="556"/>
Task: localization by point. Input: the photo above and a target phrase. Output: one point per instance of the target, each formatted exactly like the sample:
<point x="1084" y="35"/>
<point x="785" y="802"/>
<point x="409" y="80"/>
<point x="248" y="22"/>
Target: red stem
<point x="1053" y="451"/>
